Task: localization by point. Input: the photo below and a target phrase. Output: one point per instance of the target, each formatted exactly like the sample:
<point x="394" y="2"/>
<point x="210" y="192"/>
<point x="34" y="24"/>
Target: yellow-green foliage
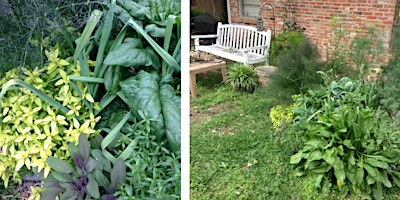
<point x="280" y="114"/>
<point x="31" y="129"/>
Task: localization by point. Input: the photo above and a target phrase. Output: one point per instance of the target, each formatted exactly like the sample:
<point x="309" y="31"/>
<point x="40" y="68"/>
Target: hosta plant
<point x="347" y="144"/>
<point x="90" y="177"/>
<point x="242" y="78"/>
<point x="41" y="112"/>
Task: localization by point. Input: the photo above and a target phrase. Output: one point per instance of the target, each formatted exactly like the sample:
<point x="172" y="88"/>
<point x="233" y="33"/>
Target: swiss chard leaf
<point x="157" y="98"/>
<point x="171" y="111"/>
<point x="142" y="93"/>
<point x="129" y="54"/>
<point x="112" y="78"/>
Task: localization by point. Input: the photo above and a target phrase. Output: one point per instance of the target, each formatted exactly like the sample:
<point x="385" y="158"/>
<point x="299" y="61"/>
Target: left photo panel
<point x="90" y="99"/>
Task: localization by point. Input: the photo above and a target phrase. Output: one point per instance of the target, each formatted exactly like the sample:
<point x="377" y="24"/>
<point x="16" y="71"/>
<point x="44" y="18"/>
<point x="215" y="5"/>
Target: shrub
<point x="389" y="91"/>
<point x="282" y="43"/>
<point x="297" y="71"/>
<point x="242" y="78"/>
<point x="39" y="119"/>
<point x="348" y="144"/>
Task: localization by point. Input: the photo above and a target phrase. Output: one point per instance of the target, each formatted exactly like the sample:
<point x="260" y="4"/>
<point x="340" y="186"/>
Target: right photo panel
<point x="294" y="99"/>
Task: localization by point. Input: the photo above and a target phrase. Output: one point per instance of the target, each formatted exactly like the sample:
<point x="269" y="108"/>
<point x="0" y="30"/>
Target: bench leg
<point x="223" y="71"/>
<point x="193" y="85"/>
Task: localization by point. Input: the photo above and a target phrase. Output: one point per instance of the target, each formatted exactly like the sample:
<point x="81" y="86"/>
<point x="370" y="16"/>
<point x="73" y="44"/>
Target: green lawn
<point x="233" y="153"/>
<point x="233" y="148"/>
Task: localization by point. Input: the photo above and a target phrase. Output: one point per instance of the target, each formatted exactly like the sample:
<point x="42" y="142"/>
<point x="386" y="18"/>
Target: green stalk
<point x="114" y="133"/>
<point x="9" y="85"/>
<point x="105" y="34"/>
<point x="87" y="32"/>
<point x="87" y="79"/>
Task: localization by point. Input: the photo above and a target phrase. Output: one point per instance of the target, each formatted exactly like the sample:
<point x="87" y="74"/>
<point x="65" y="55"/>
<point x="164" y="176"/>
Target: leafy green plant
<point x="388" y="92"/>
<point x="153" y="171"/>
<point x="281" y="115"/>
<point x="90" y="176"/>
<point x="347" y="144"/>
<point x="41" y="114"/>
<point x="282" y="43"/>
<point x="297" y="70"/>
<point x="146" y="47"/>
<point x="242" y="77"/>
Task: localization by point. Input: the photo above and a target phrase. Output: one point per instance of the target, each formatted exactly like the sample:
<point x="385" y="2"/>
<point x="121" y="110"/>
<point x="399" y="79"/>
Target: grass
<point x="234" y="156"/>
<point x="233" y="153"/>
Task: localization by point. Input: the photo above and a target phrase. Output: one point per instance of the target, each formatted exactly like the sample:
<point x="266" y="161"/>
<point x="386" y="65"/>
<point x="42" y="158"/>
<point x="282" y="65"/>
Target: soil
<point x="24" y="190"/>
<point x="197" y="116"/>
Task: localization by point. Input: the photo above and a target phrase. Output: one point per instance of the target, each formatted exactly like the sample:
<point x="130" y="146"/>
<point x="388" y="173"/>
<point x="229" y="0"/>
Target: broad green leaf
<point x="359" y="175"/>
<point x="98" y="155"/>
<point x="87" y="79"/>
<point x="373" y="172"/>
<point x="59" y="176"/>
<point x="329" y="156"/>
<point x="128" y="54"/>
<point x="59" y="165"/>
<point x="350" y="158"/>
<point x="316" y="143"/>
<point x="155" y="31"/>
<point x="93" y="188"/>
<point x="385" y="180"/>
<point x="51" y="193"/>
<point x="323" y="168"/>
<point x="318" y="179"/>
<point x="112" y="78"/>
<point x="171" y="110"/>
<point x="348" y="144"/>
<point x="83" y="146"/>
<point x="339" y="171"/>
<point x="315" y="155"/>
<point x="101" y="179"/>
<point x="141" y="92"/>
<point x="134" y="9"/>
<point x="70" y="195"/>
<point x="296" y="158"/>
<point x="91" y="165"/>
<point x="376" y="163"/>
<point x="164" y="54"/>
<point x="377" y="191"/>
<point x="118" y="173"/>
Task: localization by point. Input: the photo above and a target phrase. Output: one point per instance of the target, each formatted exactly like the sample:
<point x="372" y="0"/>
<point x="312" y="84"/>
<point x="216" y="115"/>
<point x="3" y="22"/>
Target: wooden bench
<point x="200" y="67"/>
<point x="236" y="42"/>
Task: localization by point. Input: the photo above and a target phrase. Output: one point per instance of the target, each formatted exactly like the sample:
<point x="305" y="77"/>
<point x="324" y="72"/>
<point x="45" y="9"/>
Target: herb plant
<point x="242" y="77"/>
<point x="91" y="176"/>
<point x="41" y="113"/>
<point x="348" y="144"/>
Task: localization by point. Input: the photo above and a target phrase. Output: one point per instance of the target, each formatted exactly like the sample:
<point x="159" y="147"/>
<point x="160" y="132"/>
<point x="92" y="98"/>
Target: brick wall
<point x="315" y="15"/>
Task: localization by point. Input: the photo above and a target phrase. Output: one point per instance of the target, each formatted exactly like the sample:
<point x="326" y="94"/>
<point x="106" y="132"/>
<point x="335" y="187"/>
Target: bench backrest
<point x="238" y="36"/>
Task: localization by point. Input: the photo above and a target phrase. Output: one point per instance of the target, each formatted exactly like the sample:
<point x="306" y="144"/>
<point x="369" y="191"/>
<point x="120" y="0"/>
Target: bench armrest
<point x="204" y="36"/>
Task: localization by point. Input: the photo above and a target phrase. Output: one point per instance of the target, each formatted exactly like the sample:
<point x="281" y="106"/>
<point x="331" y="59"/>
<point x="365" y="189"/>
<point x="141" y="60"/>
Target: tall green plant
<point x="297" y="70"/>
<point x="242" y="77"/>
<point x="348" y="145"/>
<point x="152" y="50"/>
